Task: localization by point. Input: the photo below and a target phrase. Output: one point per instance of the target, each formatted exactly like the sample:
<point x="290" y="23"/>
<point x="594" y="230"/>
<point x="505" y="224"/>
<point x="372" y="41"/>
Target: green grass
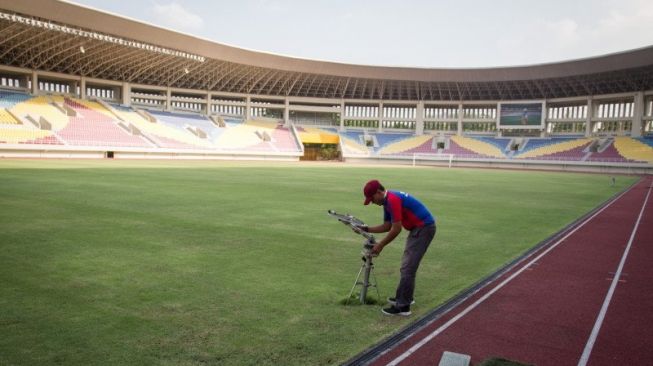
<point x="208" y="263"/>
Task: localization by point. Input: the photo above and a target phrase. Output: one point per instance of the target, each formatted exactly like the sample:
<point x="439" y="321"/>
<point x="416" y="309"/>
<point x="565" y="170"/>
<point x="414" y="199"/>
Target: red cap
<point x="370" y="189"/>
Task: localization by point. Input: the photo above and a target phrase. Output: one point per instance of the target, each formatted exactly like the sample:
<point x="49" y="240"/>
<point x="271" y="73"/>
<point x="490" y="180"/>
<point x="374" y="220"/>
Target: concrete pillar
<point x="419" y="114"/>
<point x="588" y="118"/>
<point x="286" y="112"/>
<point x="380" y="117"/>
<point x="342" y="115"/>
<point x="638" y="115"/>
<point x="460" y="119"/>
<point x="543" y="130"/>
<point x="208" y="104"/>
<point x="168" y="106"/>
<point x="24" y="83"/>
<point x="35" y="83"/>
<point x="82" y="87"/>
<point x="126" y="94"/>
<point x="248" y="107"/>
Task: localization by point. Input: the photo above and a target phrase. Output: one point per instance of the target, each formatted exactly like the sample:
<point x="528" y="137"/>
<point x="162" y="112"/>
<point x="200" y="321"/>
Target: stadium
<point x="166" y="202"/>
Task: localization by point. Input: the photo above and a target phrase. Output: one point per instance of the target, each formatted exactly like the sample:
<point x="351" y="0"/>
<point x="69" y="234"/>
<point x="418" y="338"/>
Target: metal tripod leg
<point x="366" y="268"/>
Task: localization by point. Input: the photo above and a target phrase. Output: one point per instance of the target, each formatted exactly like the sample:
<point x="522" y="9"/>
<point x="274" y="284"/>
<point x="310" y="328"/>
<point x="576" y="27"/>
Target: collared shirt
<point x="400" y="206"/>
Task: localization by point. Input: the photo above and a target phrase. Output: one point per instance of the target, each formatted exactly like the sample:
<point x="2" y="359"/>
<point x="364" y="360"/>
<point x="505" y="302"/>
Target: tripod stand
<point x="367" y="266"/>
<point x="366" y="269"/>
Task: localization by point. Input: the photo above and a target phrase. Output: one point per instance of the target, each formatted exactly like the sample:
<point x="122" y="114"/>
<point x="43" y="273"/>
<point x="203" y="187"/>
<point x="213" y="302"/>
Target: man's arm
<point x="394" y="230"/>
<point x="383" y="228"/>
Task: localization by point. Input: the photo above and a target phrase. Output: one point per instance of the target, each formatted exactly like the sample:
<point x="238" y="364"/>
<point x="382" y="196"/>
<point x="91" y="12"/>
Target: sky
<point x="414" y="33"/>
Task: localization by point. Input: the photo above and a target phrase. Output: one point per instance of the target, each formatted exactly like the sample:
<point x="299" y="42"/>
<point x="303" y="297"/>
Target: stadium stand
<point x="258" y="135"/>
<point x="459" y="151"/>
<point x="91" y="127"/>
<point x="338" y="105"/>
<point x="318" y="135"/>
<point x="539" y="148"/>
<point x="478" y="147"/>
<point x="634" y="149"/>
<point x="646" y="140"/>
<point x="536" y="143"/>
<point x="28" y="137"/>
<point x="161" y="135"/>
<point x="42" y="112"/>
<point x="503" y="144"/>
<point x="410" y="145"/>
<point x="188" y="122"/>
<point x="353" y="144"/>
<point x="7" y="118"/>
<point x="9" y="99"/>
<point x="608" y="154"/>
<point x="384" y="140"/>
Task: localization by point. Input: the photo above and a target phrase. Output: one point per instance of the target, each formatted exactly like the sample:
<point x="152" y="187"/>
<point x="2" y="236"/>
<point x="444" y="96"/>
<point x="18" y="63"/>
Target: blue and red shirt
<point x="400" y="206"/>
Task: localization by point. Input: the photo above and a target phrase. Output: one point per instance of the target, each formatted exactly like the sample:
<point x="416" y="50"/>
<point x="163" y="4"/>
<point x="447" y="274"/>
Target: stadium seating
<point x="284" y="140"/>
<point x="634" y="149"/>
<point x="569" y="148"/>
<point x="91" y="127"/>
<point x="258" y="135"/>
<point x="459" y="151"/>
<point x="161" y="135"/>
<point x="6" y="118"/>
<point x="478" y="147"/>
<point x="318" y="135"/>
<point x="536" y="143"/>
<point x="41" y="106"/>
<point x="646" y="140"/>
<point x="23" y="136"/>
<point x="59" y="120"/>
<point x="500" y="143"/>
<point x="353" y="144"/>
<point x="182" y="121"/>
<point x="410" y="145"/>
<point x="608" y="154"/>
<point x="9" y="99"/>
<point x="385" y="139"/>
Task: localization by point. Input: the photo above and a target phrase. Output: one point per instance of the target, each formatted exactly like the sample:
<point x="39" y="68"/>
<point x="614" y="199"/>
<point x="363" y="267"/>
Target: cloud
<point x="176" y="16"/>
<point x="618" y="28"/>
<point x="564" y="33"/>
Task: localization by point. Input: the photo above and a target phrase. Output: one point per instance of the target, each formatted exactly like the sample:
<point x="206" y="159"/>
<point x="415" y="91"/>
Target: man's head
<point x="374" y="192"/>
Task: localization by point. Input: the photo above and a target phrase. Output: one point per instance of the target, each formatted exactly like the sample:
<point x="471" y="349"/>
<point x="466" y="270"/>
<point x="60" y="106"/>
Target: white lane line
<point x="471" y="307"/>
<point x="604" y="309"/>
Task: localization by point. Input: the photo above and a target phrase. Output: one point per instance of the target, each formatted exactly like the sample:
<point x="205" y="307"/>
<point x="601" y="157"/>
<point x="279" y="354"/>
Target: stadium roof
<point x="67" y="38"/>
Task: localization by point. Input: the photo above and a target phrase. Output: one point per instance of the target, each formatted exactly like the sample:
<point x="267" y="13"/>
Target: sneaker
<point x="393" y="301"/>
<point x="393" y="310"/>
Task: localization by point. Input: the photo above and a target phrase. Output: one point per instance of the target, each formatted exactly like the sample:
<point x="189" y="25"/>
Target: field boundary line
<point x="587" y="351"/>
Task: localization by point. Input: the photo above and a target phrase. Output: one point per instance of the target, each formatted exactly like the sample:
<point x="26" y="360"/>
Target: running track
<point x="585" y="299"/>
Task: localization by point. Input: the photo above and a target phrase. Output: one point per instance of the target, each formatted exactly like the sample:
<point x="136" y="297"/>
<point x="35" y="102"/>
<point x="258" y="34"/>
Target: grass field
<point x="209" y="263"/>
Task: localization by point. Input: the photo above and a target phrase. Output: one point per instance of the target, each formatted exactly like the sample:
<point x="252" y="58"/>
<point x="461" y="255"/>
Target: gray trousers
<point x="417" y="243"/>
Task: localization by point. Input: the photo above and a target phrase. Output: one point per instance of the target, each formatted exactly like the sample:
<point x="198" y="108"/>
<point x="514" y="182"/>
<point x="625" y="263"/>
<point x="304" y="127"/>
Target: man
<point x="401" y="209"/>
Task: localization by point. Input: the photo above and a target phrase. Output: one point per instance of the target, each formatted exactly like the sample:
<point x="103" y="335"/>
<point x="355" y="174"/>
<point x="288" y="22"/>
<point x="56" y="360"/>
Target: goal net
<point x="426" y="159"/>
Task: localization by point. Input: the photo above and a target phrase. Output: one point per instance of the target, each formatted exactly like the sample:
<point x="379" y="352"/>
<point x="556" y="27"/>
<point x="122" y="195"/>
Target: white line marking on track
<point x="604" y="309"/>
<point x="471" y="307"/>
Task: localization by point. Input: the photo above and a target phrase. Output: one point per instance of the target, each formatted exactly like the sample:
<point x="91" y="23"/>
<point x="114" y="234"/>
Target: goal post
<point x="447" y="158"/>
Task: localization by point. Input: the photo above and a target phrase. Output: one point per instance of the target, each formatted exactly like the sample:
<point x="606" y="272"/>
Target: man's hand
<point x="395" y="229"/>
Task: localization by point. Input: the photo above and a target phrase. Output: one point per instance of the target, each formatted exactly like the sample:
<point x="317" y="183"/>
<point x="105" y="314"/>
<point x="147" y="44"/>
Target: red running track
<point x="586" y="299"/>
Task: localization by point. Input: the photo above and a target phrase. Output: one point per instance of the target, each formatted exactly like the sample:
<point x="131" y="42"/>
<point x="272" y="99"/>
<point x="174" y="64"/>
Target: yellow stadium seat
<point x="633" y="149"/>
<point x="478" y="146"/>
<point x="405" y="145"/>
